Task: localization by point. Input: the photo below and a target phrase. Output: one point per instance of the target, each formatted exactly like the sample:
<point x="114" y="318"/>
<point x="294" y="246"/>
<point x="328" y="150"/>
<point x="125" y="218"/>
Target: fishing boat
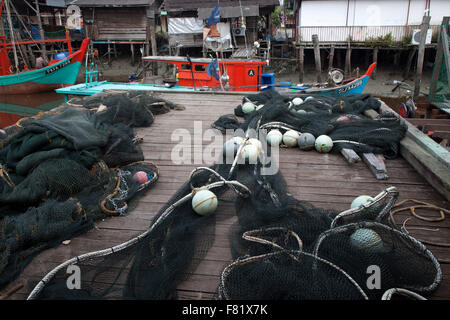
<point x="232" y="74"/>
<point x="58" y="73"/>
<point x="236" y="75"/>
<point x="350" y="86"/>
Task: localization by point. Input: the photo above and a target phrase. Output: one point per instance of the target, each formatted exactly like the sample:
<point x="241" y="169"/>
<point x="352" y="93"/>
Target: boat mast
<point x="11" y="34"/>
<point x="41" y="31"/>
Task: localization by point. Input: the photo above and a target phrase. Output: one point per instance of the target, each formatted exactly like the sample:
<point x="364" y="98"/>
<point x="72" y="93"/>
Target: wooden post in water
<point x="109" y="54"/>
<point x="331" y="58"/>
<point x="421" y="54"/>
<point x="348" y="62"/>
<point x="151" y="24"/>
<point x="301" y="59"/>
<point x="409" y="62"/>
<point x="315" y="40"/>
<point x="375" y="59"/>
<point x="132" y="54"/>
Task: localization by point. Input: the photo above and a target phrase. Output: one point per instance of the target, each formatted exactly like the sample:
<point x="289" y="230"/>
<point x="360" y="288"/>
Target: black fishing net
<point x="342" y="118"/>
<point x="62" y="170"/>
<point x="281" y="247"/>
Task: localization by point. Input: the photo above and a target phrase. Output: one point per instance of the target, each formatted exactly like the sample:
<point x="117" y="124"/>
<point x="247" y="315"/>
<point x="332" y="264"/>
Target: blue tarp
<point x="215" y="16"/>
<point x="213" y="69"/>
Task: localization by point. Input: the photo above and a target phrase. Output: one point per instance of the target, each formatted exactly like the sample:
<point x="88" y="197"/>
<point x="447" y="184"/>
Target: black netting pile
<point x="62" y="170"/>
<point x="341" y="118"/>
<point x="281" y="247"/>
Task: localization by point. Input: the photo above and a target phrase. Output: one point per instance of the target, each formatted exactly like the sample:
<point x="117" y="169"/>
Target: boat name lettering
<point x="59" y="66"/>
<point x="352" y="86"/>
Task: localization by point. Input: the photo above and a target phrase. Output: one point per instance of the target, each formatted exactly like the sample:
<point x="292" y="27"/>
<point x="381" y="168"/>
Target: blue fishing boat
<point x="354" y="86"/>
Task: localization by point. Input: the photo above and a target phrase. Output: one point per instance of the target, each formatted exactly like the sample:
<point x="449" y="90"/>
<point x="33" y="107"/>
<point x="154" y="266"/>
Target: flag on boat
<point x="213" y="69"/>
<point x="215" y="16"/>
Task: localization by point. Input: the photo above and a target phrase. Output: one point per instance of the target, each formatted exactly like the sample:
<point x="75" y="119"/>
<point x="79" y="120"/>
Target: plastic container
<point x="61" y="55"/>
<point x="267" y="81"/>
<point x="284" y="84"/>
<point x="35" y="32"/>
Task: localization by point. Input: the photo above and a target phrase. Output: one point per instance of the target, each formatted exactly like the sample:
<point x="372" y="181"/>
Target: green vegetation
<point x="275" y="17"/>
<point x="380" y="41"/>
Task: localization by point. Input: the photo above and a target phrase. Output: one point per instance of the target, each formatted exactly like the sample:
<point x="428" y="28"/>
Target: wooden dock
<point x="325" y="180"/>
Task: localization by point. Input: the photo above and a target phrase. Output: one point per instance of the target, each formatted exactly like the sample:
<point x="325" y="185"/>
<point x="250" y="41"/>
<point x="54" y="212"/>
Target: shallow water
<point x="14" y="107"/>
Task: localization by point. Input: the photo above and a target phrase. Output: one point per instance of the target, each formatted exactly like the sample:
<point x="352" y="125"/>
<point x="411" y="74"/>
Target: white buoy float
<point x="290" y="138"/>
<point x="366" y="239"/>
<point x="324" y="143"/>
<point x="358" y="201"/>
<point x="250" y="153"/>
<point x="274" y="137"/>
<point x="256" y="143"/>
<point x="238" y="140"/>
<point x="204" y="202"/>
<point x="248" y="107"/>
<point x="297" y="101"/>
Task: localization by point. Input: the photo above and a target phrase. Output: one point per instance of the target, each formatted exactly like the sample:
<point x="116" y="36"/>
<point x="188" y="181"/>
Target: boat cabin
<point x="243" y="75"/>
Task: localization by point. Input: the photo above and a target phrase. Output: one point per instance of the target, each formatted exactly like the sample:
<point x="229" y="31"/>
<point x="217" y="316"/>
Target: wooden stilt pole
<point x="153" y="43"/>
<point x="315" y="39"/>
<point x="301" y="59"/>
<point x="348" y="62"/>
<point x="375" y="59"/>
<point x="109" y="54"/>
<point x="421" y="54"/>
<point x="409" y="62"/>
<point x="132" y="54"/>
<point x="331" y="58"/>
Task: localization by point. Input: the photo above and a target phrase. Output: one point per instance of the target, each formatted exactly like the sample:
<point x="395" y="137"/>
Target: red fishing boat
<point x="232" y="74"/>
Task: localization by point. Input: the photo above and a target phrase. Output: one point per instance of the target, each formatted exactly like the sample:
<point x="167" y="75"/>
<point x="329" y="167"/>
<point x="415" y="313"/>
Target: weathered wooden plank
<point x="376" y="165"/>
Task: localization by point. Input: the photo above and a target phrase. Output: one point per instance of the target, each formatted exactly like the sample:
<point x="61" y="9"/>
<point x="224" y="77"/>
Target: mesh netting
<point x="281" y="247"/>
<point x="342" y="118"/>
<point x="62" y="170"/>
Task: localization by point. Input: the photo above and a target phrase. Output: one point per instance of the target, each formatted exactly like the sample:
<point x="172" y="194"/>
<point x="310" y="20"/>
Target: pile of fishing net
<point x="62" y="170"/>
<point x="281" y="247"/>
<point x="342" y="118"/>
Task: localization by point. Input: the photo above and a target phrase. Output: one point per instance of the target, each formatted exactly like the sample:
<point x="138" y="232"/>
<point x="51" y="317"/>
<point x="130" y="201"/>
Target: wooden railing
<point x="335" y="34"/>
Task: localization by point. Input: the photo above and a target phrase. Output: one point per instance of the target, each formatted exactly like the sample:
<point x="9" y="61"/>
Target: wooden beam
<point x="409" y="62"/>
<point x="421" y="54"/>
<point x="430" y="160"/>
<point x="132" y="54"/>
<point x="375" y="59"/>
<point x="315" y="39"/>
<point x="348" y="61"/>
<point x="444" y="37"/>
<point x="331" y="58"/>
<point x="151" y="24"/>
<point x="350" y="155"/>
<point x="301" y="59"/>
<point x="376" y="165"/>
